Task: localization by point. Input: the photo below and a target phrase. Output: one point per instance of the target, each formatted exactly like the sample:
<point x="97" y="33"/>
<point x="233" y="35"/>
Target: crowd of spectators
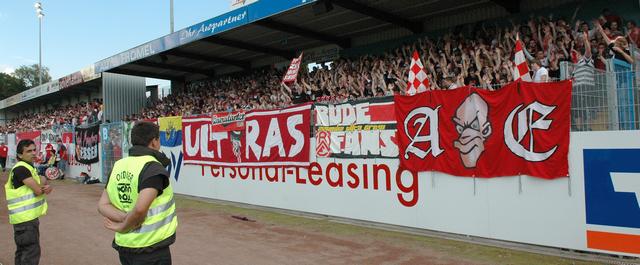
<point x="479" y="55"/>
<point x="259" y="90"/>
<point x="69" y="115"/>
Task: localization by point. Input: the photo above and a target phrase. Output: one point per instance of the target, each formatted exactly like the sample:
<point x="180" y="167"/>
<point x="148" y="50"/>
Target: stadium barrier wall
<point x="50" y="136"/>
<point x="519" y="208"/>
<point x="594" y="209"/>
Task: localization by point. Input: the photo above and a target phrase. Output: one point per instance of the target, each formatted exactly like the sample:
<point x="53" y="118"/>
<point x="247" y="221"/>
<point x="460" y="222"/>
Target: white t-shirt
<point x="538" y="75"/>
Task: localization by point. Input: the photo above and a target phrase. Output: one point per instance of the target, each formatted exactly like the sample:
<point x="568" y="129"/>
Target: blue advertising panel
<point x="230" y="20"/>
<point x="263" y="9"/>
<point x="606" y="203"/>
<point x="137" y="53"/>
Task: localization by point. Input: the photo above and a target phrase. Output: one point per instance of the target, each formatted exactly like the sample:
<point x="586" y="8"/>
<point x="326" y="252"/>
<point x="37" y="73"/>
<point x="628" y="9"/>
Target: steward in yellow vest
<point x="138" y="203"/>
<point x="25" y="192"/>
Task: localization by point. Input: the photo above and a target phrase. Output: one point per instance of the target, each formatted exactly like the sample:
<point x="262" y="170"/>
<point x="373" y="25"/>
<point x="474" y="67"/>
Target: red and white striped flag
<point x="521" y="69"/>
<point x="418" y="81"/>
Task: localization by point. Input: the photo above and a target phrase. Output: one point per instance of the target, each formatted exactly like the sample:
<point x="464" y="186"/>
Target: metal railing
<point x="603" y="100"/>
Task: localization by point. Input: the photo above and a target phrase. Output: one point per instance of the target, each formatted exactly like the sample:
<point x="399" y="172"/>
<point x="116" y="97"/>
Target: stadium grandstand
<point x="359" y="51"/>
<point x="363" y="51"/>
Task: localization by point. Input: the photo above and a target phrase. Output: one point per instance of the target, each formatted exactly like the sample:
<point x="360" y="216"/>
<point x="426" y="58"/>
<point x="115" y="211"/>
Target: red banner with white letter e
<point x="520" y="129"/>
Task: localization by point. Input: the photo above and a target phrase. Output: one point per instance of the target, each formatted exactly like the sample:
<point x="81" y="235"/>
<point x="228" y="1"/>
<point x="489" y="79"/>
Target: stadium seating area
<point x="76" y="114"/>
<point x="480" y="55"/>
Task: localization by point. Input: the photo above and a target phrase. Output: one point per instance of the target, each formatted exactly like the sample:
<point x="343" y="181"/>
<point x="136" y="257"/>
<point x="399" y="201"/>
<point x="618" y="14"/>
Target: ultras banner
<point x="520" y="129"/>
<point x="356" y="129"/>
<point x="269" y="138"/>
<point x="87" y="139"/>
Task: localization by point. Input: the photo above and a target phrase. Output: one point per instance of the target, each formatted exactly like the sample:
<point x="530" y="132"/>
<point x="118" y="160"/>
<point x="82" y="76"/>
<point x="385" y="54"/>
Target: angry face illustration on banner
<point x="473" y="127"/>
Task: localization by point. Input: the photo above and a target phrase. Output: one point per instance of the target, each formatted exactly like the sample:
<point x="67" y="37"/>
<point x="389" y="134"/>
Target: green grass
<point x="477" y="253"/>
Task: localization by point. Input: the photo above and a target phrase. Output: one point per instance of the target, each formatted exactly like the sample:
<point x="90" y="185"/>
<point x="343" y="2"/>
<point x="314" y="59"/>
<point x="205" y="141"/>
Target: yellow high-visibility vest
<point x="161" y="220"/>
<point x="23" y="204"/>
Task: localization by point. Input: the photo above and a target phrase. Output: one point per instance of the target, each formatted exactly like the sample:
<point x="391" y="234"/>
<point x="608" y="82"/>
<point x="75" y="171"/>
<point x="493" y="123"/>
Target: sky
<point x="78" y="33"/>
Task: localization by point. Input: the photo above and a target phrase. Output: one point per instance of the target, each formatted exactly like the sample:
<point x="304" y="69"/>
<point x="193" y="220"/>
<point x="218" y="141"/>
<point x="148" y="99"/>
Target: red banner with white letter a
<point x="269" y="138"/>
<point x="520" y="129"/>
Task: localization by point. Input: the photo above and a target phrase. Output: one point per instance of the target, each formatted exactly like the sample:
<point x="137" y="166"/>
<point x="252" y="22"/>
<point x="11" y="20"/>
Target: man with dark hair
<point x="138" y="203"/>
<point x="298" y="96"/>
<point x="449" y="83"/>
<point x="633" y="32"/>
<point x="26" y="202"/>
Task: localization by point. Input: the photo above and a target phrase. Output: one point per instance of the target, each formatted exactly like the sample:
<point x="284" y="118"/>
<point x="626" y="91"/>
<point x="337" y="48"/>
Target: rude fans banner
<point x="269" y="138"/>
<point x="87" y="139"/>
<point x="523" y="128"/>
<point x="356" y="129"/>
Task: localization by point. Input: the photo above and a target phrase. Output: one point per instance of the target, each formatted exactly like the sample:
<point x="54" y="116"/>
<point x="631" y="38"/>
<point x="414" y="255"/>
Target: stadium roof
<point x="263" y="33"/>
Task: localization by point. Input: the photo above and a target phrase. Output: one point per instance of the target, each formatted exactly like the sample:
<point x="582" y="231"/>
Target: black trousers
<point x="3" y="162"/>
<point x="158" y="257"/>
<point x="27" y="237"/>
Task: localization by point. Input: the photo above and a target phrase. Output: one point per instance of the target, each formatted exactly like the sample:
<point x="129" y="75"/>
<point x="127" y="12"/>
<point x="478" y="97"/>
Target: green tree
<point x="10" y="86"/>
<point x="29" y="75"/>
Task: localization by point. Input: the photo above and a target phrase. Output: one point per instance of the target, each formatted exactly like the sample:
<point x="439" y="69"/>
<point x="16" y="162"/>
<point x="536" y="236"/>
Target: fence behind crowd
<point x="113" y="144"/>
<point x="603" y="100"/>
